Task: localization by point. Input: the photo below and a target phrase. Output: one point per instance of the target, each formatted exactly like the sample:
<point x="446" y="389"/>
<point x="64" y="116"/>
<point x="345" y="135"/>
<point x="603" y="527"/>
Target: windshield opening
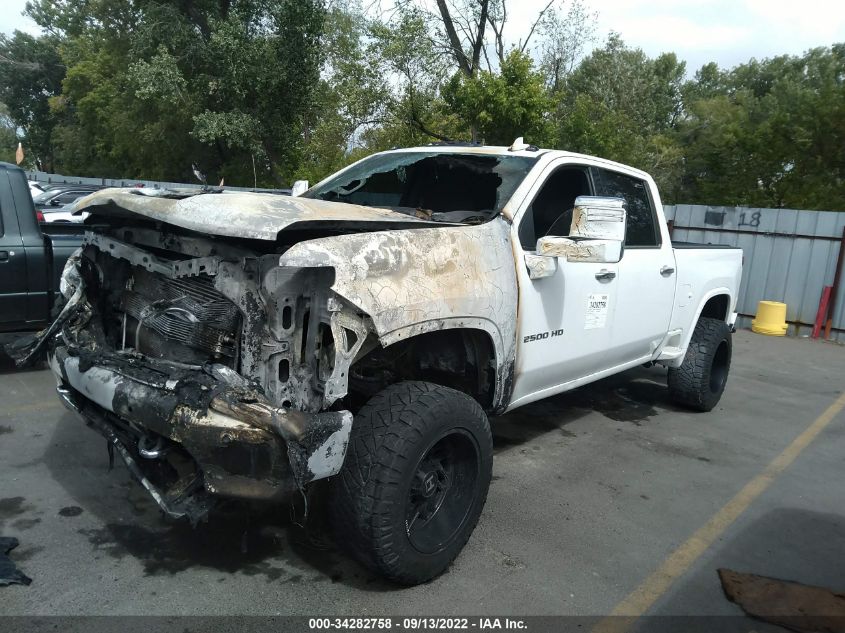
<point x="449" y="187"/>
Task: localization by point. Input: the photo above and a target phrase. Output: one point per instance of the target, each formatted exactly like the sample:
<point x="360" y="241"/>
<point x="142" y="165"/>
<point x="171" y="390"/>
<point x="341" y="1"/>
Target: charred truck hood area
<point x="245" y="215"/>
<point x="221" y="342"/>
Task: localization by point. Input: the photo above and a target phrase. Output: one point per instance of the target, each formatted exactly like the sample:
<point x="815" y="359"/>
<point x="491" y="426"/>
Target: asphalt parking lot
<point x="592" y="492"/>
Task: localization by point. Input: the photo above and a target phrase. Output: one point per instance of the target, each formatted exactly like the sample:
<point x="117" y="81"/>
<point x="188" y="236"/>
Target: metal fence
<point x="790" y="256"/>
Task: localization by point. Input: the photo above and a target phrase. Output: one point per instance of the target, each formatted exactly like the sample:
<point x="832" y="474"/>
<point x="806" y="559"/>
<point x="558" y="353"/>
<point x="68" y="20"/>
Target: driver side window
<point x="550" y="212"/>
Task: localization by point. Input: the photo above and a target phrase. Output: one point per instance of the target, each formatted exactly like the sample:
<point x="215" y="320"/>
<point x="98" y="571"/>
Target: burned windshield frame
<point x="461" y="187"/>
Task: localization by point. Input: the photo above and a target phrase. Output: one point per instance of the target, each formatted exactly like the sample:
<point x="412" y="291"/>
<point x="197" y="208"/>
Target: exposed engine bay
<point x="154" y="348"/>
<point x="221" y="344"/>
<point x="217" y="308"/>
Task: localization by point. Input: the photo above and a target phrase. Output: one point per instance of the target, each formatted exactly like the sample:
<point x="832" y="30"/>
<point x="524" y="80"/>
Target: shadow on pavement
<point x="791" y="544"/>
<point x="250" y="539"/>
<point x="634" y="396"/>
<point x="257" y="540"/>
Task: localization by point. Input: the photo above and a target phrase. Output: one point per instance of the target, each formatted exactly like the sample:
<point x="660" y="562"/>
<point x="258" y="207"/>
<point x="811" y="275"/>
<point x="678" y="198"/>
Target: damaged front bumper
<point x="191" y="434"/>
<point x="189" y="426"/>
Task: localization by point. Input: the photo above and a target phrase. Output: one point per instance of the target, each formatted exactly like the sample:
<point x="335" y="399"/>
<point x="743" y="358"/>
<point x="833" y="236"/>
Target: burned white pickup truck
<point x="247" y="345"/>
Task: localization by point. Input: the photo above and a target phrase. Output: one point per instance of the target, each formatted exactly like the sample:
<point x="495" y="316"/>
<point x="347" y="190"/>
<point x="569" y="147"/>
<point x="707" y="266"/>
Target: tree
<point x="31" y="71"/>
<point x="621" y="105"/>
<point x="8" y="136"/>
<point x="624" y="80"/>
<point x="416" y="67"/>
<point x="351" y="96"/>
<point x="565" y="37"/>
<point x="459" y="46"/>
<point x="153" y="87"/>
<point x="768" y="133"/>
<point x="502" y="106"/>
<point x="471" y="18"/>
<point x="264" y="66"/>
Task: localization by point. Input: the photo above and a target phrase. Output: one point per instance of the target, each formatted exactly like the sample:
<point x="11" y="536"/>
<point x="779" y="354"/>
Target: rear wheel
<point x="700" y="380"/>
<point x="414" y="481"/>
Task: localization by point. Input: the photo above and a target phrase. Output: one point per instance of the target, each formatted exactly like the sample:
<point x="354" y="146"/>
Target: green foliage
<point x="31" y="71"/>
<point x="410" y="56"/>
<point x="503" y="105"/>
<point x="768" y="133"/>
<point x="8" y="136"/>
<point x="621" y="105"/>
<point x="268" y="91"/>
<point x="351" y="95"/>
<point x="153" y="87"/>
<point x="625" y="81"/>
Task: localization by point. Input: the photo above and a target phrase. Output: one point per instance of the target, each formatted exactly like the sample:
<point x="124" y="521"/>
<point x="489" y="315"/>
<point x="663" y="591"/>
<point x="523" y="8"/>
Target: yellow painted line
<point x="643" y="597"/>
<point x="37" y="406"/>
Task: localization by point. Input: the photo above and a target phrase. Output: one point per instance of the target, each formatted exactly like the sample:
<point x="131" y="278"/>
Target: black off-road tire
<point x="700" y="381"/>
<point x="407" y="438"/>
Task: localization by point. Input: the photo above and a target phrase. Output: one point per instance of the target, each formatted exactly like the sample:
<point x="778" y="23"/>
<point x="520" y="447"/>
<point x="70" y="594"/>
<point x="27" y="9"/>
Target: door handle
<point x="4" y="256"/>
<point x="666" y="271"/>
<point x="605" y="275"/>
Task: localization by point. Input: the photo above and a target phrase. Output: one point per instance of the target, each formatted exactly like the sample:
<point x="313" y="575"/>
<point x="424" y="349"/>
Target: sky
<point x="728" y="32"/>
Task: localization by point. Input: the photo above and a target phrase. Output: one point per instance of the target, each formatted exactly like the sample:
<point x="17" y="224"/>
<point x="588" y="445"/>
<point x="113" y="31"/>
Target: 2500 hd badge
<point x="530" y="338"/>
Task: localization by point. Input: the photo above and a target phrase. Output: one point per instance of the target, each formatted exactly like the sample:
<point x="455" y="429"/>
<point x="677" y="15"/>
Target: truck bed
<point x="697" y="245"/>
<point x="703" y="270"/>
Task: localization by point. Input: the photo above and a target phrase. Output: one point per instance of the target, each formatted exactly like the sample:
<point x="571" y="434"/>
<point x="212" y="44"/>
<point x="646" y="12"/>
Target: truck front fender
<point x="421" y="280"/>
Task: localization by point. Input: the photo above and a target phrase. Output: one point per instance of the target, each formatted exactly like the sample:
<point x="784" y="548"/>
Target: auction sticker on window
<point x="596" y="311"/>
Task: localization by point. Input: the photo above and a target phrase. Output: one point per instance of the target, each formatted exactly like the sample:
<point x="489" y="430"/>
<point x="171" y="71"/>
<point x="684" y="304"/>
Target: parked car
<point x="35" y="188"/>
<point x="64" y="214"/>
<point x="249" y="345"/>
<point x="32" y="257"/>
<point x="57" y="196"/>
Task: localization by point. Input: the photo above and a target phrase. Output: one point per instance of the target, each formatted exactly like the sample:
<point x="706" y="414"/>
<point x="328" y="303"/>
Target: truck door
<point x="564" y="323"/>
<point x="646" y="284"/>
<point x="12" y="260"/>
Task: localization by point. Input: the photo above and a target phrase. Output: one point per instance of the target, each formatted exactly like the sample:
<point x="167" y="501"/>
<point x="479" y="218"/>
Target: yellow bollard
<point x="771" y="318"/>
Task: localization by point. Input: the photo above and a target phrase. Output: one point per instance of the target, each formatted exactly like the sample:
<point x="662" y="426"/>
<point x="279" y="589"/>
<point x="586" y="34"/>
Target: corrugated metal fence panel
<point x="790" y="255"/>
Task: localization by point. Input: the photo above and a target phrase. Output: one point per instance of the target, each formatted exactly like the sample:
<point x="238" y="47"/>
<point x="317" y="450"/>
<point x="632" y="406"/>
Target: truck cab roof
<point x="528" y="151"/>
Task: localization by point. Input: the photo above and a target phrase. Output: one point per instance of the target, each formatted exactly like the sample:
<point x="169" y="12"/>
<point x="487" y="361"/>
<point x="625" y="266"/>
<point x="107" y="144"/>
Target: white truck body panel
<point x="702" y="274"/>
<point x="653" y="299"/>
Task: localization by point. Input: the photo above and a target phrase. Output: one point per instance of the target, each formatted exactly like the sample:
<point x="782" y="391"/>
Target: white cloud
<point x="808" y="20"/>
<point x="673" y="33"/>
<point x="11" y="18"/>
<point x="727" y="32"/>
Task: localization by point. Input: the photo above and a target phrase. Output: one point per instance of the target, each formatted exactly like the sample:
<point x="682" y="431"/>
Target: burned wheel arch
<point x="458" y="357"/>
<point x="413" y="283"/>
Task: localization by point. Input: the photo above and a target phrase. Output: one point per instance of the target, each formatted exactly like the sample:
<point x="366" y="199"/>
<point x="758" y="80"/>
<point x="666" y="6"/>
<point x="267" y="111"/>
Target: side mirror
<point x="596" y="234"/>
<point x="299" y="187"/>
<point x="55" y="202"/>
<point x="588" y="250"/>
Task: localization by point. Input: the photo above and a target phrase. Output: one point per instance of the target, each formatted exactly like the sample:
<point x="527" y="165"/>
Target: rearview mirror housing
<point x="598" y="217"/>
<point x="596" y="234"/>
<point x="581" y="250"/>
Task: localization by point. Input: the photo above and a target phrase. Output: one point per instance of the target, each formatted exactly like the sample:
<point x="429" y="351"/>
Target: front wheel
<point x="414" y="481"/>
<point x="700" y="380"/>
